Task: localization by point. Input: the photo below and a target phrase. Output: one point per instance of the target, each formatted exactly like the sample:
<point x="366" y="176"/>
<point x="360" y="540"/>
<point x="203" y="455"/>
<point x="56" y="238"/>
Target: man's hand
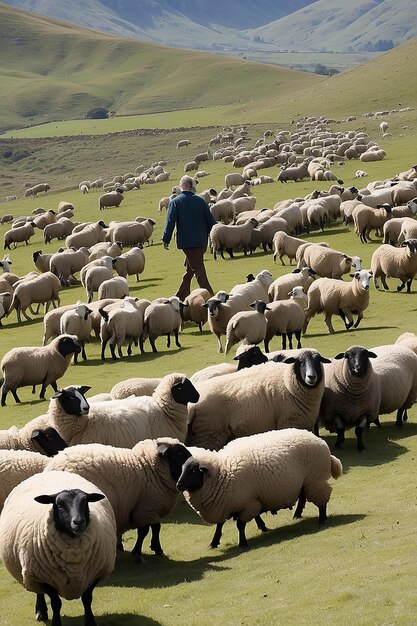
<point x="166" y="246"/>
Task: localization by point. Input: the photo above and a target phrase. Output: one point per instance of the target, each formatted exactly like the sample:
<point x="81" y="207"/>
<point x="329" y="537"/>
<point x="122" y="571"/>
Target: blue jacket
<point x="193" y="219"/>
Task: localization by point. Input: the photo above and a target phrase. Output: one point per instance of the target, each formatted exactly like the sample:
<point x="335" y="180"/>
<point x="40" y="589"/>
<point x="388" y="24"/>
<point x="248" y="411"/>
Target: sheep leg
<point x="75" y="359"/>
<point x="15" y="396"/>
<point x="230" y="253"/>
<point x="119" y="350"/>
<point x="155" y="542"/>
<point x="284" y="341"/>
<point x="137" y="548"/>
<point x="141" y="342"/>
<point x="168" y="340"/>
<point x="298" y="337"/>
<point x="266" y="344"/>
<point x="346" y="314"/>
<point x="83" y="353"/>
<point x="289" y="337"/>
<point x="261" y="524"/>
<point x="33" y="388"/>
<point x="401" y="416"/>
<point x="216" y="537"/>
<point x="328" y="320"/>
<point x="177" y="343"/>
<point x="384" y="282"/>
<point x="113" y="351"/>
<point x="25" y="315"/>
<point x="300" y="505"/>
<point x="43" y="391"/>
<point x="41" y="610"/>
<point x="219" y="344"/>
<point x="103" y="350"/>
<point x="3" y="397"/>
<point x="87" y="599"/>
<point x="358" y="432"/>
<point x="243" y="543"/>
<point x="55" y="604"/>
<point x="359" y="319"/>
<point x="322" y="513"/>
<point x="200" y="326"/>
<point x="152" y="342"/>
<point x="409" y="285"/>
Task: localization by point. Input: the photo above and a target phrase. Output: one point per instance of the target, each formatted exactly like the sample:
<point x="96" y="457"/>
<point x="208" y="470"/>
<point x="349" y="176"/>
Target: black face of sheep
<point x="36" y="254"/>
<point x="184" y="392"/>
<point x="72" y="400"/>
<point x="176" y="454"/>
<point x="308" y="367"/>
<point x="260" y="306"/>
<point x="70" y="509"/>
<point x="102" y="224"/>
<point x="250" y="278"/>
<point x="68" y="345"/>
<point x="49" y="441"/>
<point x="192" y="476"/>
<point x="248" y="358"/>
<point x="213" y="307"/>
<point x="358" y="360"/>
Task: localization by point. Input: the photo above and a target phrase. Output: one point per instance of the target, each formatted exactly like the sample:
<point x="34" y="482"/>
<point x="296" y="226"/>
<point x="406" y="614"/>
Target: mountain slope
<point x="339" y="25"/>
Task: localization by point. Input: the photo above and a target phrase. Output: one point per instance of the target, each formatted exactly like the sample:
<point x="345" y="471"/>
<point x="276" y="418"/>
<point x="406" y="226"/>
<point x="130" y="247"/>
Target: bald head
<point x="187" y="183"/>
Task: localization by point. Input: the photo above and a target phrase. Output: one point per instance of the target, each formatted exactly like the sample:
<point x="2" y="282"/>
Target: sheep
<point x="147" y="472"/>
<point x="130" y="263"/>
<point x="42" y="289"/>
<point x="61" y="551"/>
<point x="408" y="230"/>
<point x="11" y="198"/>
<point x="360" y="174"/>
<point x="39" y="439"/>
<point x="6" y="218"/>
<point x="335" y="297"/>
<point x="87" y="237"/>
<point x="104" y="248"/>
<point x="367" y="219"/>
<point x="77" y="322"/>
<point x="220" y="310"/>
<point x="326" y="262"/>
<point x="116" y="287"/>
<point x="351" y="394"/>
<point x="48" y="217"/>
<point x="231" y="237"/>
<point x="398" y="263"/>
<point x="268" y="229"/>
<point x="19" y="234"/>
<point x="66" y="263"/>
<point x="37" y="366"/>
<point x="293" y="173"/>
<point x="247" y="326"/>
<point x="285" y="317"/>
<point x="194" y="309"/>
<point x="125" y="321"/>
<point x="131" y="233"/>
<point x="246" y="356"/>
<point x="183" y="142"/>
<point x="122" y="423"/>
<point x="5" y="302"/>
<point x="409" y="340"/>
<point x="280" y="287"/>
<point x="256" y="289"/>
<point x="58" y="230"/>
<point x="40" y="187"/>
<point x="64" y="206"/>
<point x="263" y="472"/>
<point x="223" y="211"/>
<point x="270" y="396"/>
<point x="285" y="245"/>
<point x="110" y="199"/>
<point x="233" y="180"/>
<point x="162" y="317"/>
<point x="383" y="127"/>
<point x="134" y="387"/>
<point x="191" y="166"/>
<point x="96" y="275"/>
<point x="42" y="261"/>
<point x="17" y="465"/>
<point x="391" y="230"/>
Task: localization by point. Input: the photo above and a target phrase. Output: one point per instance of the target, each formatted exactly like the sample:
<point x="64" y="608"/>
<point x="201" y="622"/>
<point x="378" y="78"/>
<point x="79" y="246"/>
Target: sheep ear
<point x="341" y="355"/>
<point x="83" y="389"/>
<point x="288" y="359"/>
<point x="296" y="271"/>
<point x="46" y="499"/>
<point x="57" y="394"/>
<point x="162" y="448"/>
<point x="95" y="497"/>
<point x="372" y="355"/>
<point x="323" y="359"/>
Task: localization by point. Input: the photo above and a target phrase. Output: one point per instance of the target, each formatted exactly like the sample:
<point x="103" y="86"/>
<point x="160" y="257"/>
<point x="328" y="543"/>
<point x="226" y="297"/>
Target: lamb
<point x="130" y="263"/>
<point x="351" y="395"/>
<point x="221" y="308"/>
<point x="122" y="423"/>
<point x="237" y="481"/>
<point x="367" y="219"/>
<point x="37" y="366"/>
<point x="256" y="289"/>
<point x="230" y="237"/>
<point x="116" y="287"/>
<point x="398" y="263"/>
<point x="125" y="321"/>
<point x="148" y="471"/>
<point x="63" y="551"/>
<point x="285" y="317"/>
<point x="249" y="326"/>
<point x="134" y="387"/>
<point x="281" y="286"/>
<point x="87" y="237"/>
<point x="360" y="174"/>
<point x="194" y="309"/>
<point x="335" y="297"/>
<point x="77" y="322"/>
<point x="271" y="396"/>
<point x="19" y="234"/>
<point x="43" y="289"/>
<point x="105" y="248"/>
<point x="326" y="262"/>
<point x="67" y="263"/>
<point x="58" y="230"/>
<point x="294" y="173"/>
<point x="110" y="199"/>
<point x="162" y="317"/>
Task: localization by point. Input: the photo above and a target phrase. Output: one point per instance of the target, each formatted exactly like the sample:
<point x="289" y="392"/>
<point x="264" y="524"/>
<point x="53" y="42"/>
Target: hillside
<point x="342" y="26"/>
<point x="54" y="71"/>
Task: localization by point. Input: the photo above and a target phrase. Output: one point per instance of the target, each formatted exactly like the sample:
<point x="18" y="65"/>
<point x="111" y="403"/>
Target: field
<point x="359" y="568"/>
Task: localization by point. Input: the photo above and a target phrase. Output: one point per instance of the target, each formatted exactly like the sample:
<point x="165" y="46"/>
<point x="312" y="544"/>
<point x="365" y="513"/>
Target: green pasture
<point x="359" y="568"/>
<point x="306" y="61"/>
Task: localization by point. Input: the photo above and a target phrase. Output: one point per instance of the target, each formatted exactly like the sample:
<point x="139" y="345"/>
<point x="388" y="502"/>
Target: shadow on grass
<point x="32" y="322"/>
<point x="171" y="572"/>
<point x="111" y="619"/>
<point x="133" y="358"/>
<point x="351" y="331"/>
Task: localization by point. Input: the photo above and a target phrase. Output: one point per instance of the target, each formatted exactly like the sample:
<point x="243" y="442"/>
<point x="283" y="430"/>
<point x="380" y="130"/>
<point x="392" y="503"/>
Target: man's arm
<point x="169" y="224"/>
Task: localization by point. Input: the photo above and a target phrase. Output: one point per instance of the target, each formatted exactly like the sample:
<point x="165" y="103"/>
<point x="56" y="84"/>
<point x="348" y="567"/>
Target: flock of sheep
<point x="235" y="439"/>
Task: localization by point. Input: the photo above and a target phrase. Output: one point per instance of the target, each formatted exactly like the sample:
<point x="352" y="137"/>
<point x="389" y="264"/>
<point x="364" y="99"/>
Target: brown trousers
<point x="194" y="266"/>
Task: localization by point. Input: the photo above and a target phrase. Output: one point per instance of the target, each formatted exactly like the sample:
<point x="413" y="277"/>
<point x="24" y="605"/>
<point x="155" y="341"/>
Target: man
<point x="193" y="219"/>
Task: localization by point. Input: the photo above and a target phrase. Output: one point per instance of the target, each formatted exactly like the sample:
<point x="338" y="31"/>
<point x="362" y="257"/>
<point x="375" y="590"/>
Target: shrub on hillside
<point x="97" y="113"/>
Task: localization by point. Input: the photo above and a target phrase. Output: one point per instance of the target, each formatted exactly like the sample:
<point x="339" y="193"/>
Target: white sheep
<point x="366" y="219"/>
<point x="335" y="297"/>
<point x="94" y="276"/>
<point x="326" y="262"/>
<point x="264" y="472"/>
<point x="285" y="317"/>
<point x="271" y="396"/>
<point x="89" y="235"/>
<point x="280" y="287"/>
<point x="131" y="263"/>
<point x="37" y="365"/>
<point x="19" y="234"/>
<point x="111" y="199"/>
<point x="67" y="263"/>
<point x="43" y="289"/>
<point x="122" y="322"/>
<point x="122" y="423"/>
<point x="162" y="317"/>
<point x="247" y="326"/>
<point x="105" y="248"/>
<point x="221" y="308"/>
<point x="17" y="465"/>
<point x="230" y="237"/>
<point x="58" y="230"/>
<point x="194" y="309"/>
<point x="77" y="322"/>
<point x="257" y="289"/>
<point x="63" y="551"/>
<point x="116" y="287"/>
<point x="134" y="387"/>
<point x="398" y="263"/>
